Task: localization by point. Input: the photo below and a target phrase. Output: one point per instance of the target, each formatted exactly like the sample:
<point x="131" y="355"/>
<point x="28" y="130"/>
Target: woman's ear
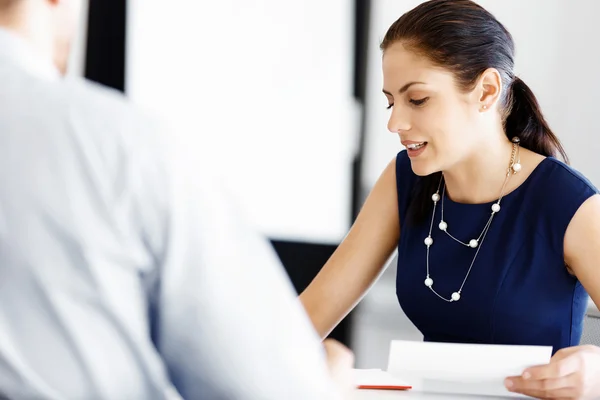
<point x="488" y="89"/>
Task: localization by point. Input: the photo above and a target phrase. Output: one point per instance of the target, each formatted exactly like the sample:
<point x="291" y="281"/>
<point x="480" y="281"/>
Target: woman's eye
<point x="419" y="102"/>
<point x="390" y="106"/>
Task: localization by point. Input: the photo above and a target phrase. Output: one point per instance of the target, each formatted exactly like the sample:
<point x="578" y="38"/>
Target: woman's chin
<point x="423" y="169"/>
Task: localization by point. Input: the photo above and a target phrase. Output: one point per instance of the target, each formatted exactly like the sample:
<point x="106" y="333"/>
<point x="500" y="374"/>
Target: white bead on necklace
<point x="514" y="167"/>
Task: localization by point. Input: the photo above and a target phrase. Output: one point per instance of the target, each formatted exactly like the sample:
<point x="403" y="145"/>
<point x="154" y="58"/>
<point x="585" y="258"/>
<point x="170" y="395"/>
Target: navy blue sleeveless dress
<point x="519" y="290"/>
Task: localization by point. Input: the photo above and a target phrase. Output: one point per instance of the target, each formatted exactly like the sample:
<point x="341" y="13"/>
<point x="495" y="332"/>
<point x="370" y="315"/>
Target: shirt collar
<point x="15" y="49"/>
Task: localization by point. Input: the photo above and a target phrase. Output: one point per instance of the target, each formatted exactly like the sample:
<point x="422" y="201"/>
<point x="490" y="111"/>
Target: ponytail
<point x="525" y="120"/>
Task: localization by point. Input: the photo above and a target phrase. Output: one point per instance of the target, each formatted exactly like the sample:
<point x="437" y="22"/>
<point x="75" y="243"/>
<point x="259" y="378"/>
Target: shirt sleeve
<point x="227" y="321"/>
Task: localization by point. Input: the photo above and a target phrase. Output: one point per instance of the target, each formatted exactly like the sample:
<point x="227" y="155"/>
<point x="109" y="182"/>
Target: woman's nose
<point x="398" y="122"/>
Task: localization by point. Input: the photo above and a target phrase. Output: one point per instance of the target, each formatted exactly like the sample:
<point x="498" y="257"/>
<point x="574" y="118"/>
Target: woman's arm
<point x="358" y="260"/>
<point x="582" y="249"/>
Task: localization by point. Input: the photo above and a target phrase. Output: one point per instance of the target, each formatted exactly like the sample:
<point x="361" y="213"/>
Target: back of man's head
<point x="49" y="25"/>
<point x="5" y="5"/>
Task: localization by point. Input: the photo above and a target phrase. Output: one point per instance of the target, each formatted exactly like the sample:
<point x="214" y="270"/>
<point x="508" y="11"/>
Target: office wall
<point x="77" y="57"/>
<point x="575" y="89"/>
<point x="555" y="56"/>
<point x="267" y="86"/>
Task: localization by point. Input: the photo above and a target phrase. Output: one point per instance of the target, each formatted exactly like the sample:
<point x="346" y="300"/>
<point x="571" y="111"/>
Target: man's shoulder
<point x="86" y="95"/>
<point x="106" y="114"/>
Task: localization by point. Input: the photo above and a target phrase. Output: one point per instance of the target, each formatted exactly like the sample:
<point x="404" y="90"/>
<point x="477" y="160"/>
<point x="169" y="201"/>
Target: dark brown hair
<point x="464" y="38"/>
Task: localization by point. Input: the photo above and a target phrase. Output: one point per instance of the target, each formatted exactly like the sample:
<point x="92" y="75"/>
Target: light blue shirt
<point x="125" y="273"/>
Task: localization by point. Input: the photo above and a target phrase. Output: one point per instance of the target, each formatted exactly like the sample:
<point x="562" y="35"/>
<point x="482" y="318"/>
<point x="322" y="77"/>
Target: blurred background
<point x="287" y="95"/>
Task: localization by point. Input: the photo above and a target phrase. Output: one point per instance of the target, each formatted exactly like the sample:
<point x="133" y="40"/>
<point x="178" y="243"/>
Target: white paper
<point x="375" y="377"/>
<point x="462" y="368"/>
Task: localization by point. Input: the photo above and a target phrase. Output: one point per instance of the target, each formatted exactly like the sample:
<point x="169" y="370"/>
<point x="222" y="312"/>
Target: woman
<point x="497" y="236"/>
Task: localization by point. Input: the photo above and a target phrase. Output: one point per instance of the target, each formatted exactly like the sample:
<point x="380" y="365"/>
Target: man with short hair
<point x="125" y="274"/>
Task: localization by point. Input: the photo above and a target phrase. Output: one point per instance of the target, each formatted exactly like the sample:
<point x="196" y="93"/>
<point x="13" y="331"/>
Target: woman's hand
<point x="573" y="373"/>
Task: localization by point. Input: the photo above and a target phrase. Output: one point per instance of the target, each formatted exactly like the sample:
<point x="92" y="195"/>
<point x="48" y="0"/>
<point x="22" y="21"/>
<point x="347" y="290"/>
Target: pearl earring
<point x="484" y="107"/>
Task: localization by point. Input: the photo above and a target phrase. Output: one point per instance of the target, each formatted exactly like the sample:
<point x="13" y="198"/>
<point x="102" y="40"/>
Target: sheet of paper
<point x="462" y="368"/>
<point x="377" y="379"/>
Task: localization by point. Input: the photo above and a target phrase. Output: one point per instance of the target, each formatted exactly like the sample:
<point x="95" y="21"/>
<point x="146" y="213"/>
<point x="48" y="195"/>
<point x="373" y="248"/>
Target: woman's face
<point x="436" y="122"/>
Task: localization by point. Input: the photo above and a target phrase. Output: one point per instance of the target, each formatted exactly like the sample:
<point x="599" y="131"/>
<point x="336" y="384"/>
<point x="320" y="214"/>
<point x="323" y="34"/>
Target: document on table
<point x="462" y="368"/>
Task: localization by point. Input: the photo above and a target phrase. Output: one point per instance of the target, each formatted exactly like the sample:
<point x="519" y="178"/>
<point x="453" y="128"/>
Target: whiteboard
<point x="267" y="84"/>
